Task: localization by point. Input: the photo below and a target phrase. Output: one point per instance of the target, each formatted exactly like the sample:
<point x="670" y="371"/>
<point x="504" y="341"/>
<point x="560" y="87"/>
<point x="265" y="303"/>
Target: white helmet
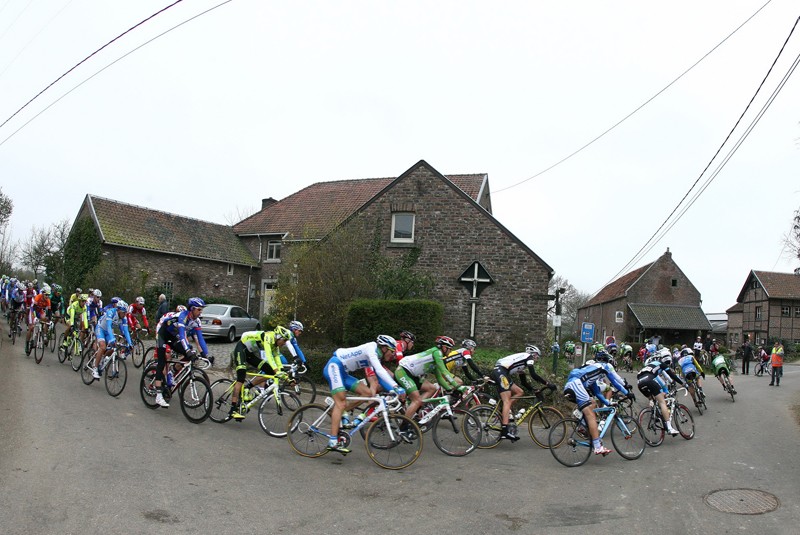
<point x="140" y="300"/>
<point x="97" y="293"/>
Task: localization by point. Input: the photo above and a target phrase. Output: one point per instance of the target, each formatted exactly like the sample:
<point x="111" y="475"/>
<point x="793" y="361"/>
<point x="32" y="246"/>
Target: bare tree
<point x="7" y="249"/>
<point x="571" y="300"/>
<point x="239" y="214"/>
<point x="792" y="239"/>
<point x="54" y="261"/>
<point x="35" y="250"/>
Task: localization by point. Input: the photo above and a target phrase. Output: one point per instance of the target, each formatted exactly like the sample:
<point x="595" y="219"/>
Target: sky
<point x="259" y="99"/>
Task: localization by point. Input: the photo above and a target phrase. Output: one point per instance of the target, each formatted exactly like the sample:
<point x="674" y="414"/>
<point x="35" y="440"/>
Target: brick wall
<point x="657" y="286"/>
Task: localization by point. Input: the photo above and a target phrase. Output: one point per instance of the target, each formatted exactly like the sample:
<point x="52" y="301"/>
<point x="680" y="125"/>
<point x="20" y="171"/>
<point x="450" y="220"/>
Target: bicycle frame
<point x="610" y="419"/>
<point x="441" y="403"/>
<point x="382" y="409"/>
<point x="274" y="386"/>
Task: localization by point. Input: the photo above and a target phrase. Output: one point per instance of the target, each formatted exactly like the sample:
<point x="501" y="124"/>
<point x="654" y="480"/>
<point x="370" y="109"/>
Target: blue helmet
<point x="195" y="302"/>
<point x="386" y="340"/>
<point x="121" y="305"/>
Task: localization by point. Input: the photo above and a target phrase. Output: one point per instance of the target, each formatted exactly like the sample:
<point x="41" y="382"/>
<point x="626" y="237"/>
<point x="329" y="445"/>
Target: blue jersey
<point x="176" y="325"/>
<point x="107" y="319"/>
<point x="687" y="364"/>
<point x="591" y="373"/>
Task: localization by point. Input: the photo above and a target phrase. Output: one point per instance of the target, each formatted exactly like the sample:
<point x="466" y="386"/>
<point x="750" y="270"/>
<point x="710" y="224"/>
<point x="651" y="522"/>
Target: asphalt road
<point x="75" y="460"/>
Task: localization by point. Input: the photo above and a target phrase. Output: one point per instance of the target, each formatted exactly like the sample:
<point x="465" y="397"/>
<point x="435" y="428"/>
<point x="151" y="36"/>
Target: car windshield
<point x="217" y="310"/>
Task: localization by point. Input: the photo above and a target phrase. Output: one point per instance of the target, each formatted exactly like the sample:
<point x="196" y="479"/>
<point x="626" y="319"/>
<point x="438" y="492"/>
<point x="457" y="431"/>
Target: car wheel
<point x="258" y="327"/>
<point x="232" y="335"/>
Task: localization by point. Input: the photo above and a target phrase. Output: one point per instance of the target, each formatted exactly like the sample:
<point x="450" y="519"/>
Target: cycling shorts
<point x="102" y="334"/>
<point x="722" y="369"/>
<point x="650" y="385"/>
<point x="338" y="379"/>
<point x="407" y="380"/>
<point x="502" y="378"/>
<point x="576" y="392"/>
<point x="241" y="357"/>
<point x="690" y="375"/>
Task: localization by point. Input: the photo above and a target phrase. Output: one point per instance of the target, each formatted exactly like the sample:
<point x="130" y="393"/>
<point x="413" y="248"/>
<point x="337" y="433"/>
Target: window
<point x="402" y="227"/>
<point x="797" y="312"/>
<point x="786" y="311"/>
<point x="674" y="283"/>
<point x="754" y="284"/>
<point x="230" y="269"/>
<point x="273" y="251"/>
<point x="758" y="313"/>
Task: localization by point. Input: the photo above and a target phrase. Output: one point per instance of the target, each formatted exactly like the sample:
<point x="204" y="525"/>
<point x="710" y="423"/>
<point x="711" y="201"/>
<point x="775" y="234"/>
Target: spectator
<point x="777" y="363"/>
<point x="163" y="307"/>
<point x="747" y="356"/>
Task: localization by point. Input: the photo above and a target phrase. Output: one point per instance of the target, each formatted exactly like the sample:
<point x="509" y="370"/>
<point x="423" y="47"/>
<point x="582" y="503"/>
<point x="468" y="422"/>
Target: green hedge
<point x="367" y="318"/>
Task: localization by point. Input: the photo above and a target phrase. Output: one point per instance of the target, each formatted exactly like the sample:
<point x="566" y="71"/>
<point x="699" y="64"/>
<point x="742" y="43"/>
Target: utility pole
<point x="557" y="327"/>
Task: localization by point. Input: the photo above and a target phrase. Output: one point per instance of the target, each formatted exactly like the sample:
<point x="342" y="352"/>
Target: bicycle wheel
<point x="308" y="430"/>
<point x="149" y="355"/>
<point x="38" y="346"/>
<point x="62" y="351"/>
<point x="221" y="393"/>
<point x="14" y="328"/>
<point x="696" y="399"/>
<point x="569" y="442"/>
<point x="52" y="336"/>
<point x="274" y="418"/>
<point x="304" y="389"/>
<point x="456" y="435"/>
<point x="651" y="426"/>
<point x="489" y="417"/>
<point x="539" y="424"/>
<point x="195" y="396"/>
<point x="684" y="422"/>
<point x="147" y="386"/>
<point x="730" y="389"/>
<point x="138" y="354"/>
<point x="627" y="437"/>
<point x="116" y="376"/>
<point x="394" y="446"/>
<point x="86" y="373"/>
<point x="75" y="354"/>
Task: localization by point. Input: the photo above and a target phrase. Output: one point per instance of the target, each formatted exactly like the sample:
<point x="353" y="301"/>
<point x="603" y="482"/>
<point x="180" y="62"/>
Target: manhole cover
<point x="742" y="501"/>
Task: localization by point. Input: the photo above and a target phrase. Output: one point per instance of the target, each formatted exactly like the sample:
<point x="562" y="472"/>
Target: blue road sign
<point x="587" y="333"/>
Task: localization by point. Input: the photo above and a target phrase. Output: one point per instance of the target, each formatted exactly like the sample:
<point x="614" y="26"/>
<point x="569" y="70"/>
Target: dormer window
<point x="403" y="227"/>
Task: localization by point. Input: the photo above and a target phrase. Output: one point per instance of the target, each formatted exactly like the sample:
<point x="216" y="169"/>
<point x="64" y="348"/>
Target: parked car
<point x="229" y="321"/>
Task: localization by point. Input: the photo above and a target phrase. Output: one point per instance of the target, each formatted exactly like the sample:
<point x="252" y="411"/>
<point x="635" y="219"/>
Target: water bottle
<point x="170" y="379"/>
<point x="359" y="419"/>
<point x="519" y="414"/>
<point x="246" y="394"/>
<point x="103" y="364"/>
<point x="345" y="419"/>
<point x="577" y="414"/>
<point x="600" y="425"/>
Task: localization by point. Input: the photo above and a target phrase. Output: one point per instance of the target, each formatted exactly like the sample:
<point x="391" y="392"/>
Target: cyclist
<point x="405" y="343"/>
<point x="720" y="366"/>
<point x="40" y="309"/>
<point x="569" y="349"/>
<point x="172" y="329"/>
<point x="626" y="352"/>
<point x="94" y="306"/>
<point x="29" y="292"/>
<point x="605" y="387"/>
<point x="502" y="373"/>
<point x="4" y="292"/>
<point x="411" y="371"/>
<point x="76" y="317"/>
<point x="74" y="297"/>
<point x="337" y="373"/>
<point x="461" y="359"/>
<point x="261" y="350"/>
<point x="57" y="303"/>
<point x="137" y="309"/>
<point x="576" y="389"/>
<point x="115" y="313"/>
<point x="295" y="330"/>
<point x="690" y="369"/>
<point x="17" y="302"/>
<point x="597" y="346"/>
<point x="713" y="349"/>
<point x="653" y="384"/>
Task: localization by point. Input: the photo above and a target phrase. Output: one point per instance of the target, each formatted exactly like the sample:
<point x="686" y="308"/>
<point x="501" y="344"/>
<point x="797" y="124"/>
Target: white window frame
<point x="230" y="269"/>
<point x="758" y="312"/>
<point x="394" y="238"/>
<point x="273" y="246"/>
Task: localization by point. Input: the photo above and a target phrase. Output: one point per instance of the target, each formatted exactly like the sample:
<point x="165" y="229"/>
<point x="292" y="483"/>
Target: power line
<point x="109" y="65"/>
<point x="641" y="252"/>
<point x="88" y="57"/>
<point x="645" y="103"/>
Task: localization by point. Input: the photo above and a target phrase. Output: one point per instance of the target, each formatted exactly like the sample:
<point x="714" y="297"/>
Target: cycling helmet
<point x="664" y="353"/>
<point x="409" y="335"/>
<point x="121" y="305"/>
<point x="386" y="340"/>
<point x="180" y="308"/>
<point x="686" y="351"/>
<point x="114" y="300"/>
<point x="97" y="293"/>
<point x="666" y="360"/>
<point x="295" y="326"/>
<point x="469" y="344"/>
<point x="531" y="349"/>
<point x="445" y="341"/>
<point x="589" y="362"/>
<point x="78" y="291"/>
<point x="56" y="288"/>
<point x="140" y="300"/>
<point x="282" y="333"/>
<point x="30" y="285"/>
<point x="602" y="356"/>
<point x="612" y="349"/>
<point x="46" y="290"/>
<point x="83" y="297"/>
<point x="195" y="302"/>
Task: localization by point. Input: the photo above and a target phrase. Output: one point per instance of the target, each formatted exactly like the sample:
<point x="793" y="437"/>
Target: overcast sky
<point x="260" y="99"/>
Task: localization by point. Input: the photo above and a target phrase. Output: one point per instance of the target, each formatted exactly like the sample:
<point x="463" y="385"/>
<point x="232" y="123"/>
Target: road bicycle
<point x="698" y="396"/>
<point x="273" y="410"/>
<point x="456" y="431"/>
<point x="137" y="356"/>
<point x="191" y="384"/>
<point x="571" y="444"/>
<point x="40" y="340"/>
<point x="728" y="387"/>
<point x="52" y="332"/>
<point x="763" y="367"/>
<point x="540" y="419"/>
<point x="112" y="367"/>
<point x="626" y="363"/>
<point x="70" y="347"/>
<point x="652" y="421"/>
<point x="392" y="441"/>
<point x="303" y="387"/>
<point x="14" y="326"/>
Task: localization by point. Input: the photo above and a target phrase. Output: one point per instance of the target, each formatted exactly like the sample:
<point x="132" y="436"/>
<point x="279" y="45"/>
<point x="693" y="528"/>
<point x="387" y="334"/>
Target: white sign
<point x="578" y="351"/>
<point x="556" y="321"/>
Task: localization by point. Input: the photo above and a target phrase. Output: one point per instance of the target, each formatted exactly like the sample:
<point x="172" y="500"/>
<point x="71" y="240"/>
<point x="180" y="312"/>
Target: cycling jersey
<point x="41" y="303"/>
<point x="400" y="351"/>
<point x="263" y="344"/>
<point x="172" y="328"/>
<point x="689" y="365"/>
<point x="57" y="304"/>
<point x="95" y="306"/>
<point x="107" y="320"/>
<point x="429" y="361"/>
<point x="77" y="314"/>
<point x="29" y="294"/>
<point x="625" y="349"/>
<point x="720" y="365"/>
<point x="135" y="309"/>
<point x="581" y="380"/>
<point x="350" y="359"/>
<point x="461" y="359"/>
<point x="515" y="364"/>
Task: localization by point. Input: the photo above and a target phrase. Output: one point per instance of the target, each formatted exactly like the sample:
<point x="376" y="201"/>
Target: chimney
<point x="269" y="201"/>
<point x="668" y="254"/>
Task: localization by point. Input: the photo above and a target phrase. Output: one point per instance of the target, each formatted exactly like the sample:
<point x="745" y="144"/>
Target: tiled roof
<point x="738" y="307"/>
<point x="315" y="210"/>
<point x="779" y="285"/>
<point x="617" y="289"/>
<point x="127" y="225"/>
<point x="670" y="317"/>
